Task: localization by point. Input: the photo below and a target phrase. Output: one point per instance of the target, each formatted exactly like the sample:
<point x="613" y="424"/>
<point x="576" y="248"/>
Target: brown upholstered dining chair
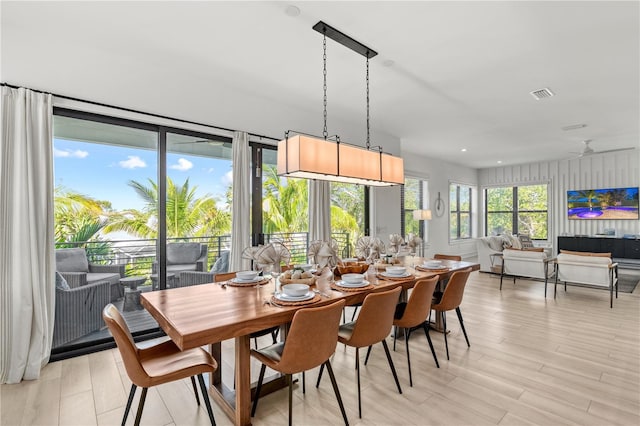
<point x="451" y="299"/>
<point x="372" y="326"/>
<point x="414" y="313"/>
<point x="448" y="257"/>
<point x="312" y="339"/>
<point x="226" y="276"/>
<point x="158" y="364"/>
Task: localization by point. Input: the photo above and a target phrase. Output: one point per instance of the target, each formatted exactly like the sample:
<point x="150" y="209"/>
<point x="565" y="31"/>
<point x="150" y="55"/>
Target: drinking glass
<point x="266" y="273"/>
<point x="275" y="273"/>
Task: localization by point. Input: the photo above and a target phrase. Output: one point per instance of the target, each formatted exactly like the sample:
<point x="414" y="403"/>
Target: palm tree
<point x="187" y="215"/>
<point x="285" y="204"/>
<point x="588" y="195"/>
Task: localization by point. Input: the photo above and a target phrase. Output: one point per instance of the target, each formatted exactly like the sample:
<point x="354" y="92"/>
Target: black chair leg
<point x="366" y="358"/>
<point x="355" y="310"/>
<point x="407" y="333"/>
<point x="304" y="386"/>
<point x="464" y="331"/>
<point x="195" y="389"/>
<point x="358" y="381"/>
<point x="393" y="369"/>
<point x="395" y="336"/>
<point x="258" y="388"/>
<point x="129" y="401"/>
<point x="205" y="396"/>
<point x="320" y="375"/>
<point x="501" y="276"/>
<point x="425" y="327"/>
<point x="143" y="397"/>
<point x="336" y="391"/>
<point x="290" y="380"/>
<point x="444" y="326"/>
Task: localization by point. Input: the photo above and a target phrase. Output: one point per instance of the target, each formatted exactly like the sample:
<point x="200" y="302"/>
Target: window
<point x="460" y="201"/>
<point x="517" y="209"/>
<point x="415" y="196"/>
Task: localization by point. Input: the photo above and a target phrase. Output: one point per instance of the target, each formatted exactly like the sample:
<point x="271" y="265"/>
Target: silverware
<point x="223" y="284"/>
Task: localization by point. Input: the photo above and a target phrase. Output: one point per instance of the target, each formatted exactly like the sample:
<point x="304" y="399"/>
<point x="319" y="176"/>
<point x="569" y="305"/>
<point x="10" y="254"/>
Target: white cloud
<point x="69" y="154"/>
<point x="211" y="170"/>
<point x="227" y="178"/>
<point x="183" y="165"/>
<point x="133" y="162"/>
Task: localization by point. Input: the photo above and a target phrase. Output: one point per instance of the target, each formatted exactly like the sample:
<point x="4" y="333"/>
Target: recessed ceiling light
<point x="292" y="10"/>
<point x="464" y="150"/>
<point x="499" y="161"/>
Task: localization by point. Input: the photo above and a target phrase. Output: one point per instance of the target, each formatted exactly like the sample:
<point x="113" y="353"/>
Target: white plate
<point x="287" y="298"/>
<point x="385" y="274"/>
<point x="345" y="284"/>
<point x="432" y="267"/>
<point x="241" y="281"/>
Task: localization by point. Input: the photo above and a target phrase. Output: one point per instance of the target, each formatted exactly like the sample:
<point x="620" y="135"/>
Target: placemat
<point x="335" y="286"/>
<point x="383" y="277"/>
<point x="435" y="271"/>
<point x="279" y="302"/>
<point x="232" y="284"/>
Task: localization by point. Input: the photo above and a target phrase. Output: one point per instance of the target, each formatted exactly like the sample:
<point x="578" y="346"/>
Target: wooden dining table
<point x="211" y="313"/>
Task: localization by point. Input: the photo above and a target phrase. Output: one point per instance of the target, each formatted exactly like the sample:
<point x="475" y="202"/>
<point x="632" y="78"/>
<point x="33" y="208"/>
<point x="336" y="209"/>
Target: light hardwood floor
<point x="531" y="361"/>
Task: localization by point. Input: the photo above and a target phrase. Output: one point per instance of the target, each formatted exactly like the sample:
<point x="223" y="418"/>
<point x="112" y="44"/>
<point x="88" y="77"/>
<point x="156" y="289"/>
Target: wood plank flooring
<point x="569" y="361"/>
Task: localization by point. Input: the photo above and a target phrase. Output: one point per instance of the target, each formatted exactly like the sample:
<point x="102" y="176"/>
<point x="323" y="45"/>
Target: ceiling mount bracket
<point x="344" y="39"/>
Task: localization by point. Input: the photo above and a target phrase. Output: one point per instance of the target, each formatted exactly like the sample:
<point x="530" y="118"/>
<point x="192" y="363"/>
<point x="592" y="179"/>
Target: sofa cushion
<point x="61" y="283"/>
<point x="72" y="260"/>
<point x="585" y="253"/>
<point x="181" y="253"/>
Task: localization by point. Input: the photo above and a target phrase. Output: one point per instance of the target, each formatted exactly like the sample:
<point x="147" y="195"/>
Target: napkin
<point x="369" y="248"/>
<point x="274" y="253"/>
<point x="413" y="241"/>
<point x="327" y="255"/>
<point x="395" y="242"/>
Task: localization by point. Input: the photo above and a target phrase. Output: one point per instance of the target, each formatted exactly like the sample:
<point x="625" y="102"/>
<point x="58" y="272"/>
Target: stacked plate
<point x="246" y="281"/>
<point x="395" y="272"/>
<point x="432" y="264"/>
<point x="286" y="298"/>
<point x="353" y="281"/>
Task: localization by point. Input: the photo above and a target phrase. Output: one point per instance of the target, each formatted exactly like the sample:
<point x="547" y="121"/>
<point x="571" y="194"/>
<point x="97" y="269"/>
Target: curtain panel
<point x="240" y="204"/>
<point x="319" y="210"/>
<point x="27" y="269"/>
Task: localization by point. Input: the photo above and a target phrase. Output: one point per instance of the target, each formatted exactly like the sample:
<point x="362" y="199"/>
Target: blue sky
<point x="102" y="171"/>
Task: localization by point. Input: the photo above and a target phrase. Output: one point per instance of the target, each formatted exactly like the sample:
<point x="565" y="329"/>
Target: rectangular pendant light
<point x="302" y="156"/>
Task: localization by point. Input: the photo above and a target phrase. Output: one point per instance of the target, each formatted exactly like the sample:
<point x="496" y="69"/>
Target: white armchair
<point x="527" y="263"/>
<point x="589" y="269"/>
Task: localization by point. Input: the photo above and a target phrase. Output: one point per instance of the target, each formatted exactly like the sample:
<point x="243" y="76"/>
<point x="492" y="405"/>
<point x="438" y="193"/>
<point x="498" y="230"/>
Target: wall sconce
<point x="422" y="214"/>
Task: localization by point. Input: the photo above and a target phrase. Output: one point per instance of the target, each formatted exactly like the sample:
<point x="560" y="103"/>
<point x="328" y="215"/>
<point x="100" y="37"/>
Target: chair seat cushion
<point x="270" y="355"/>
<point x="112" y="278"/>
<point x="179" y="253"/>
<point x="181" y="267"/>
<point x="345" y="331"/>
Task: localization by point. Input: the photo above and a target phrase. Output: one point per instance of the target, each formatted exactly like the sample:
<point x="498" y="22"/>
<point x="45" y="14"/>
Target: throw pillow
<point x="221" y="264"/>
<point x="515" y="241"/>
<point x="61" y="283"/>
<point x="495" y="243"/>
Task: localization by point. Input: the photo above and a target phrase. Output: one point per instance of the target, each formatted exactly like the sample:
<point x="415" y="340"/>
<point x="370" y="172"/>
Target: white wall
<point x="439" y="174"/>
<point x="619" y="169"/>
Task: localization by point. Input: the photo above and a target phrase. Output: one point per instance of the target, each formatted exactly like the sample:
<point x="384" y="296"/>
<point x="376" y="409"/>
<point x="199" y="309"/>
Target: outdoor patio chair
<point x="184" y="257"/>
<point x="78" y="311"/>
<point x="73" y="265"/>
<point x="189" y="278"/>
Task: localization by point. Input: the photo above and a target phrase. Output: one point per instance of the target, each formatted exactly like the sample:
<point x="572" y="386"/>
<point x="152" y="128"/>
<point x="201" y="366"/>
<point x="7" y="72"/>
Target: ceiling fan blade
<point x="615" y="150"/>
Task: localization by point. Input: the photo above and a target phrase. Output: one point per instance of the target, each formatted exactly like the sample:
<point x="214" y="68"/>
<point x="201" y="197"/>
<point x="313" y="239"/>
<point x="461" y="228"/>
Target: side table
<point x="132" y="293"/>
<point x="154" y="280"/>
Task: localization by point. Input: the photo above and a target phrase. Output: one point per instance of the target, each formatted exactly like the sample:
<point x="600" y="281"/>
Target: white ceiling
<point x="460" y="78"/>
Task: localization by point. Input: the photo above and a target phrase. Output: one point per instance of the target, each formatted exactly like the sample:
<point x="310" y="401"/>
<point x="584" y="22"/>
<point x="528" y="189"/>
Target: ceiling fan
<point x="587" y="150"/>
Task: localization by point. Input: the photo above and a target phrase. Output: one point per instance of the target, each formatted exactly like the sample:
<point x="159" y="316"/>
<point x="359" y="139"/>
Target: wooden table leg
<point x="243" y="381"/>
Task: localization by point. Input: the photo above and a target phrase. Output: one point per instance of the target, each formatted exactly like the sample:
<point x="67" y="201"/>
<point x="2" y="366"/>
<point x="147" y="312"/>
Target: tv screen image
<point x="602" y="204"/>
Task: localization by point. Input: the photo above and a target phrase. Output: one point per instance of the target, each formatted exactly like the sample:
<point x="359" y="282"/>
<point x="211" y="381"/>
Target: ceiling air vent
<point x="542" y="93"/>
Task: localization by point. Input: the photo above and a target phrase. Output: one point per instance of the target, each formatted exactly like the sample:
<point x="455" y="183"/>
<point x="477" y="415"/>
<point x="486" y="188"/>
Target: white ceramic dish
<point x="285" y="298"/>
<point x="251" y="281"/>
<point x="388" y="275"/>
<point x="432" y="264"/>
<point x="246" y="275"/>
<point x="353" y="278"/>
<point x="396" y="270"/>
<point x="295" y="290"/>
<point x="364" y="283"/>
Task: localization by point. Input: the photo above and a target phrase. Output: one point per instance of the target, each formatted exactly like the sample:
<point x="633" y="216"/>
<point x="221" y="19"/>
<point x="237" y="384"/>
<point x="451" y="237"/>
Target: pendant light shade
<point x="311" y="157"/>
<point x="308" y="157"/>
<point x="422" y="214"/>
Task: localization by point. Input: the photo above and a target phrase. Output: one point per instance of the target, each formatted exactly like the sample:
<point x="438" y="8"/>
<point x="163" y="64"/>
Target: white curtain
<point x="27" y="265"/>
<point x="319" y="210"/>
<point x="240" y="205"/>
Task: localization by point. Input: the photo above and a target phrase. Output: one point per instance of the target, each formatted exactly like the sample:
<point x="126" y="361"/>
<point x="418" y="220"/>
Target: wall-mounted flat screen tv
<point x="603" y="204"/>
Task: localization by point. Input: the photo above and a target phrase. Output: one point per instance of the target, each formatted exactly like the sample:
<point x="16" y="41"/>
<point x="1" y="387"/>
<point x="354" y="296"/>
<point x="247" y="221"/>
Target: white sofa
<point x="590" y="269"/>
<point x="527" y="263"/>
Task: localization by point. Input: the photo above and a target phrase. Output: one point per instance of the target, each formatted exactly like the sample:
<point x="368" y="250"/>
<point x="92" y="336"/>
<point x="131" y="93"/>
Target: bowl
<point x="353" y="278"/>
<point x="396" y="270"/>
<point x="247" y="275"/>
<point x="305" y="267"/>
<point x="295" y="290"/>
<point x="433" y="264"/>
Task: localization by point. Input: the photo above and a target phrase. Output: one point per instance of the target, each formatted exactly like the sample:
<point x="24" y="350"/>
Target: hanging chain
<point x="325" y="133"/>
<point x="368" y="136"/>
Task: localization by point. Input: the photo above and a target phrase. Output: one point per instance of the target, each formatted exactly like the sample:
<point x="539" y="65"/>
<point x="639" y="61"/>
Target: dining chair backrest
<point x="419" y="303"/>
<point x="448" y="257"/>
<point x="312" y="338"/>
<point x="128" y="349"/>
<point x="453" y="292"/>
<point x="375" y="319"/>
